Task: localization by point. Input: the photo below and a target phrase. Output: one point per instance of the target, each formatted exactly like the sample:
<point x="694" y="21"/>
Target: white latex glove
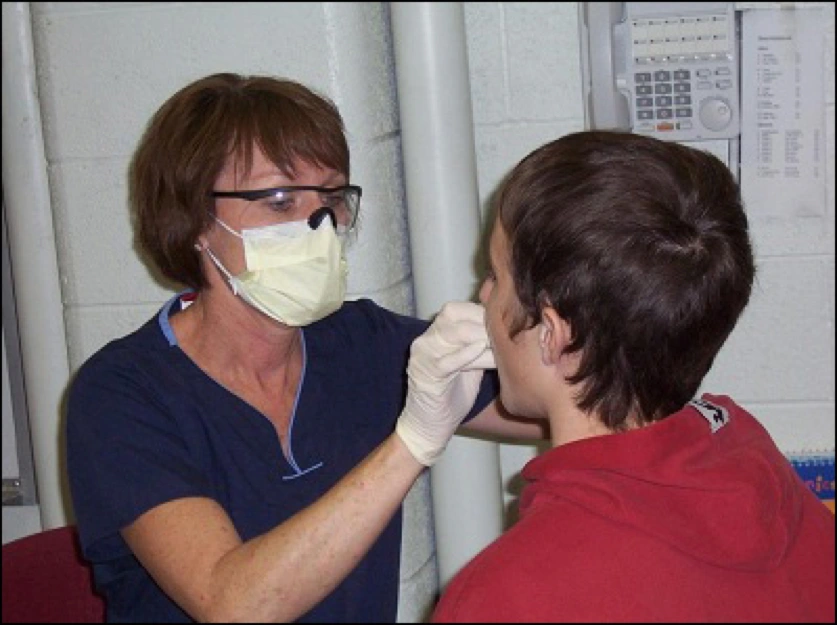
<point x="444" y="374"/>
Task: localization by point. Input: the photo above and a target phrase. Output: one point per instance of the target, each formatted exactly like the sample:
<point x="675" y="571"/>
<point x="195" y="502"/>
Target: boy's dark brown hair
<point x="642" y="246"/>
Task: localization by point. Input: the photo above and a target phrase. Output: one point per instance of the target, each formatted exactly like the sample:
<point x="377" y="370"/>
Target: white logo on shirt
<point x="717" y="416"/>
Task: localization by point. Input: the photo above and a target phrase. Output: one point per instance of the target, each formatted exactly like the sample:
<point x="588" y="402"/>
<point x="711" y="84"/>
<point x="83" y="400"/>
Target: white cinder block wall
<point x="779" y="362"/>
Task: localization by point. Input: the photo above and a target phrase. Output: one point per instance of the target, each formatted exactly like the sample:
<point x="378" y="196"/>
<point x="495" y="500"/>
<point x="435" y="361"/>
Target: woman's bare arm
<point x="495" y="421"/>
<point x="192" y="550"/>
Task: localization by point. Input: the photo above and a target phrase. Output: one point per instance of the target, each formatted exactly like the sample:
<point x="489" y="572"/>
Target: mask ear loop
<point x="227" y="274"/>
<point x="227" y="228"/>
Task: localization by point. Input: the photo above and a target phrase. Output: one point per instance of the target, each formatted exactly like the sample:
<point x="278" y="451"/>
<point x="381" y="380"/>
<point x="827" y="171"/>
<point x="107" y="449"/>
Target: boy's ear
<point x="553" y="337"/>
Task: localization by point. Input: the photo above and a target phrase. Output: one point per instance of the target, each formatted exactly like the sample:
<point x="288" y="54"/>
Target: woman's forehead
<point x="261" y="169"/>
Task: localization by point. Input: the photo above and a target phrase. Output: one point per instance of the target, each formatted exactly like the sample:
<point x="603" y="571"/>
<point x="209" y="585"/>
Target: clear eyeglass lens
<point x="345" y="201"/>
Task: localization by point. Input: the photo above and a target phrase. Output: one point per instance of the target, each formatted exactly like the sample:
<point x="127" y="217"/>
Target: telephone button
<point x="684" y="125"/>
<point x="724" y="84"/>
<point x="644" y="90"/>
<point x="665" y="126"/>
<point x="715" y="113"/>
<point x="642" y="77"/>
<point x="662" y="75"/>
<point x="664" y="113"/>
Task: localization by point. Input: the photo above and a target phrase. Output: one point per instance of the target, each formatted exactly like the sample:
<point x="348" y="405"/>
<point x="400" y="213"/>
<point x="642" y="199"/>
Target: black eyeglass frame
<point x="260" y="194"/>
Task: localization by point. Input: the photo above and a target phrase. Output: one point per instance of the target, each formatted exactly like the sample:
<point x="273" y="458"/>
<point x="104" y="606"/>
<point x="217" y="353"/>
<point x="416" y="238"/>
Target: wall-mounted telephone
<point x="665" y="69"/>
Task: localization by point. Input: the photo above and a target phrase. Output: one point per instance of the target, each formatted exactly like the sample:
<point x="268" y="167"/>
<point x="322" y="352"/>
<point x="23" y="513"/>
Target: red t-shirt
<point x="677" y="521"/>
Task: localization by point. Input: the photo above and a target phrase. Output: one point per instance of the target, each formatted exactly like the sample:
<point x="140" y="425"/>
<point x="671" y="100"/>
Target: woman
<point x="244" y="454"/>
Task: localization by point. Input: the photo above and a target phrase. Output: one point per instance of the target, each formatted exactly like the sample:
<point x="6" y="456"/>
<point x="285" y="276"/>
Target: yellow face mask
<point x="294" y="274"/>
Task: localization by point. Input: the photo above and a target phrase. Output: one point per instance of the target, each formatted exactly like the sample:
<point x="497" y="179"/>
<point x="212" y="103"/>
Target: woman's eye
<point x="278" y="205"/>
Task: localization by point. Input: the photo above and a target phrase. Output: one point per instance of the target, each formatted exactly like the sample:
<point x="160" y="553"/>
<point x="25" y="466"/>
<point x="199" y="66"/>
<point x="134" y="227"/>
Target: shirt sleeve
<point x="489" y="390"/>
<point x="126" y="453"/>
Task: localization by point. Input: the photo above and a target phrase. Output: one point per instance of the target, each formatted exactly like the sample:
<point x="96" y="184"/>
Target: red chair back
<point x="46" y="580"/>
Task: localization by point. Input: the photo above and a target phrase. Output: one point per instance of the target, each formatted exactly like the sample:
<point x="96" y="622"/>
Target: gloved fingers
<point x="484" y="361"/>
<point x="438" y="342"/>
<point x="463" y="358"/>
<point x="436" y="372"/>
<point x="448" y="334"/>
<point x="451" y="340"/>
<point x="462" y="311"/>
<point x="458" y="323"/>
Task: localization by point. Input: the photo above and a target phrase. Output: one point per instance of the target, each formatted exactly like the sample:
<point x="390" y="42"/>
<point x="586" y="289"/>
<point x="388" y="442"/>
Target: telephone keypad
<point x="688" y="63"/>
<point x="660" y="84"/>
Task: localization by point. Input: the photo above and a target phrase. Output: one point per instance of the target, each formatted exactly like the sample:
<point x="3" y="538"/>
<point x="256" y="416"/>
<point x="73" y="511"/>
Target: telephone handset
<point x="665" y="69"/>
<point x="606" y="102"/>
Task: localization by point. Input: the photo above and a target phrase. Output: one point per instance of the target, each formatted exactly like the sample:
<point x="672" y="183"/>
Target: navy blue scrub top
<point x="146" y="425"/>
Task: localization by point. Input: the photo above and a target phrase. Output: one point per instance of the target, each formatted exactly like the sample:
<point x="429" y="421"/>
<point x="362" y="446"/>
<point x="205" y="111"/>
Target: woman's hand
<point x="444" y="373"/>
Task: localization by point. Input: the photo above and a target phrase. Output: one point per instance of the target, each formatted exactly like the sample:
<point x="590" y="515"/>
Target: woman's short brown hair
<point x="642" y="246"/>
<point x="189" y="139"/>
